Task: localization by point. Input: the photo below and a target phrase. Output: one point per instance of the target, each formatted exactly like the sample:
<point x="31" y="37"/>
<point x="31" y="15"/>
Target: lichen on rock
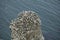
<point x="26" y="27"/>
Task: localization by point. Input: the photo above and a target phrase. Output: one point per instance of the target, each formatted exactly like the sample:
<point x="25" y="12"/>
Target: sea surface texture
<point x="48" y="10"/>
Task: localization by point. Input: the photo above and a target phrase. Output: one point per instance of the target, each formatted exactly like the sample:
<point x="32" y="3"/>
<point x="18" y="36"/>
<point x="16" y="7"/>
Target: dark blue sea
<point x="48" y="10"/>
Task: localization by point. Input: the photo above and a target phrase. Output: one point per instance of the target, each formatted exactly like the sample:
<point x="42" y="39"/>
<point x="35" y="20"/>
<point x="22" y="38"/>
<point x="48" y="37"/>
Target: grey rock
<point x="27" y="26"/>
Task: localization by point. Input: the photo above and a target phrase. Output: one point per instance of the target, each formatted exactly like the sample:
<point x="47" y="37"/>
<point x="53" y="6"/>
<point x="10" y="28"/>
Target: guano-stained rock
<point x="26" y="27"/>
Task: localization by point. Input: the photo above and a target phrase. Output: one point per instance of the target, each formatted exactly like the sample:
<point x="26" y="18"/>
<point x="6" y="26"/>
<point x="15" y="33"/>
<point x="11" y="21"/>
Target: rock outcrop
<point x="26" y="27"/>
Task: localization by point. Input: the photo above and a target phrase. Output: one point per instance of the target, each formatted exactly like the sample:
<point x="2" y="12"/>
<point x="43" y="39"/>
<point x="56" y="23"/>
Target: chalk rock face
<point x="26" y="27"/>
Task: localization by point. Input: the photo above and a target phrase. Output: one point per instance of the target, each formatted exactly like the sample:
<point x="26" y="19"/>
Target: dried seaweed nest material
<point x="26" y="27"/>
